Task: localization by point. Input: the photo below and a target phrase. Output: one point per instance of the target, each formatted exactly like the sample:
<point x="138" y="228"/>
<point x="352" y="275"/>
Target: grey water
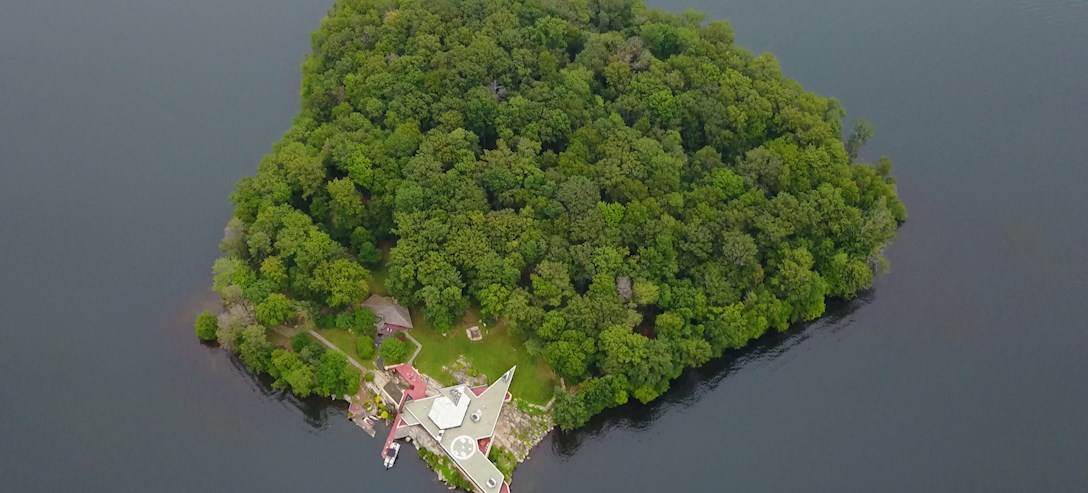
<point x="124" y="125"/>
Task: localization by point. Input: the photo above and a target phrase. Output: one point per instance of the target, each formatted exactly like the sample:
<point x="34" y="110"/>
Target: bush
<point x="445" y="467"/>
<point x="395" y="350"/>
<point x="206" y="325"/>
<point x="364" y="345"/>
<point x="345" y="320"/>
<point x="308" y="349"/>
<point x="325" y="320"/>
<point x="363" y="324"/>
<point x="503" y="459"/>
<point x="291" y="372"/>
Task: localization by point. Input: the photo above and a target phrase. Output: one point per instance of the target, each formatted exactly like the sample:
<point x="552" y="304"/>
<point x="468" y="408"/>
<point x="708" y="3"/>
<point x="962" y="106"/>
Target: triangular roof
<point x="448" y="410"/>
<point x="389" y="311"/>
<point x="461" y="443"/>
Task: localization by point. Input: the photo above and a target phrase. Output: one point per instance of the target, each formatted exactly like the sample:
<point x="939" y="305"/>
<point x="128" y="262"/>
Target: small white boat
<point x="391" y="454"/>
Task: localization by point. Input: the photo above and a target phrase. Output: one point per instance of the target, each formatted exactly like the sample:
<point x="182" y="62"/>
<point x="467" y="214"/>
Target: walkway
<point x="334" y="348"/>
<point x="417" y="389"/>
<point x="419" y="347"/>
<point x="290" y="333"/>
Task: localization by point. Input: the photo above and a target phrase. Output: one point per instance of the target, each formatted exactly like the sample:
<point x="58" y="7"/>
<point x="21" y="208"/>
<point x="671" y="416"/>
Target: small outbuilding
<point x="390" y="316"/>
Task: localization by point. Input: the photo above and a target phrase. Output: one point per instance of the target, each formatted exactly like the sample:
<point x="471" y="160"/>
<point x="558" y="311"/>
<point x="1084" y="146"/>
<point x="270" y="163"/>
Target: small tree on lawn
<point x="364" y="345"/>
<point x="363" y="325"/>
<point x="394" y="350"/>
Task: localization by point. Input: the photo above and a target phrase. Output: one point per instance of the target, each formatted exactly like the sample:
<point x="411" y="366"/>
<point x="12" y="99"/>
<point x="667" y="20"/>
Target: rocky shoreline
<point x="521" y="425"/>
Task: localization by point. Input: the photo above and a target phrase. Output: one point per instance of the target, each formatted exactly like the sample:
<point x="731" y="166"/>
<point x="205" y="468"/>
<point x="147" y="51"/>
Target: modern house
<point x="391" y="316"/>
<point x="462" y="421"/>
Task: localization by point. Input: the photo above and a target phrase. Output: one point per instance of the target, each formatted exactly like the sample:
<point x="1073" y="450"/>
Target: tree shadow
<point x="316" y="410"/>
<point x="693" y="383"/>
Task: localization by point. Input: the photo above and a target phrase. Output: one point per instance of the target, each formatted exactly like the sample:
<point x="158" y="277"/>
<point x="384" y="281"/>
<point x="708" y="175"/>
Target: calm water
<point x="124" y="124"/>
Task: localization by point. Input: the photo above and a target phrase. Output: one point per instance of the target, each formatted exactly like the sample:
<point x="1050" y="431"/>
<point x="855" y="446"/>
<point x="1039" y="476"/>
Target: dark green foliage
<point x="523" y="157"/>
<point x="569" y="410"/>
<point x="334" y="377"/>
<point x="359" y="322"/>
<point x="363" y="325"/>
<point x="206" y="326"/>
<point x="345" y="320"/>
<point x="307" y="348"/>
<point x="503" y="459"/>
<point x="395" y="350"/>
<point x="291" y="372"/>
<point x="444" y="466"/>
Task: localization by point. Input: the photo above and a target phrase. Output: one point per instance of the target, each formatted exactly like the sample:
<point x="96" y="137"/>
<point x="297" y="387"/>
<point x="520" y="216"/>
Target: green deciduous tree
<point x="863" y="131"/>
<point x="342" y="281"/>
<point x="274" y="310"/>
<point x="291" y="372"/>
<point x="533" y="158"/>
<point x="346" y="203"/>
<point x="254" y="348"/>
<point x="206" y="326"/>
<point x="334" y="376"/>
<point x="395" y="350"/>
<point x="551" y="283"/>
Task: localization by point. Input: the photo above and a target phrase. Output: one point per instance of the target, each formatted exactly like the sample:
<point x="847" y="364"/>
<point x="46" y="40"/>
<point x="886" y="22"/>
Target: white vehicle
<point x="391" y="454"/>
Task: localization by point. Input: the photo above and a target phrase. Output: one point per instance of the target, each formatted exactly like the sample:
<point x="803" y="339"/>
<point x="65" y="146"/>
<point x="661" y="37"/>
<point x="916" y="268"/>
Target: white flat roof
<point x="460" y="441"/>
<point x="447" y="413"/>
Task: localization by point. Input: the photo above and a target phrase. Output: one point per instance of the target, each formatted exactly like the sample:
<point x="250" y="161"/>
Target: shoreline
<point x="518" y="430"/>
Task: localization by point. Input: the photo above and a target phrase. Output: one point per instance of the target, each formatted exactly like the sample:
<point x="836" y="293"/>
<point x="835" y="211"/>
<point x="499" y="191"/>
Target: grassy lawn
<point x="277" y="339"/>
<point x="346" y="342"/>
<point x="496" y="353"/>
<point x="377" y="281"/>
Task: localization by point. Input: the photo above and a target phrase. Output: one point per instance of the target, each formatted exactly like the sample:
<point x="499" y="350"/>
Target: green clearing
<point x="344" y="340"/>
<point x="378" y="276"/>
<point x="377" y="280"/>
<point x="277" y="339"/>
<point x="533" y="382"/>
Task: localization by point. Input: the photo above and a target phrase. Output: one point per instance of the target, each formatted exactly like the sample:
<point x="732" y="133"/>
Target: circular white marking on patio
<point x="462" y="447"/>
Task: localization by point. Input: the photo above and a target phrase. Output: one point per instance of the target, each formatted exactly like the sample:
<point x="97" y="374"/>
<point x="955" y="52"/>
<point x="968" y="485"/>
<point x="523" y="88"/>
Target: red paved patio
<point x="418" y="388"/>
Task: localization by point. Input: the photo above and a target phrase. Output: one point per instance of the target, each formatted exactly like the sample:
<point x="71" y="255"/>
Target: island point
<point x="458" y="421"/>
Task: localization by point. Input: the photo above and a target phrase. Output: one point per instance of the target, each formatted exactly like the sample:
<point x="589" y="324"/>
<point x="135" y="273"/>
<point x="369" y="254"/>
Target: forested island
<point x="616" y="193"/>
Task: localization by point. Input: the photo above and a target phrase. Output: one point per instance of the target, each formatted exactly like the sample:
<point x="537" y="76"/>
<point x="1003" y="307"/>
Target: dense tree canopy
<point x="629" y="189"/>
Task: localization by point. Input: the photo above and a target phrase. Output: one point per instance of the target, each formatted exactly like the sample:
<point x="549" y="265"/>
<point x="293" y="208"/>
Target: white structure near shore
<point x="462" y="421"/>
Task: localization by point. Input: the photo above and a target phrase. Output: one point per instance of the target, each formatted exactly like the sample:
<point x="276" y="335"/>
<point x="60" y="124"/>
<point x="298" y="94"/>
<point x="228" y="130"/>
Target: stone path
<point x="419" y="347"/>
<point x="334" y="348"/>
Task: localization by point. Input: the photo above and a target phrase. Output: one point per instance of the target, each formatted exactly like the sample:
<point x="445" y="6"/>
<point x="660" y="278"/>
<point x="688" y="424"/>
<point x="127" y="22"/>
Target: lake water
<point x="124" y="125"/>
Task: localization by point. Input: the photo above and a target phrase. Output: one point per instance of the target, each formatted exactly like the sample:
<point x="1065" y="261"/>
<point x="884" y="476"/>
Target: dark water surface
<point x="124" y="125"/>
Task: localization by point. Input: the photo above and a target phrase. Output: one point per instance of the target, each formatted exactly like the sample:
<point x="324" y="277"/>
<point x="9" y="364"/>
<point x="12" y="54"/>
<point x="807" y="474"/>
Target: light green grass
<point x="346" y="342"/>
<point x="497" y="352"/>
<point x="377" y="280"/>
